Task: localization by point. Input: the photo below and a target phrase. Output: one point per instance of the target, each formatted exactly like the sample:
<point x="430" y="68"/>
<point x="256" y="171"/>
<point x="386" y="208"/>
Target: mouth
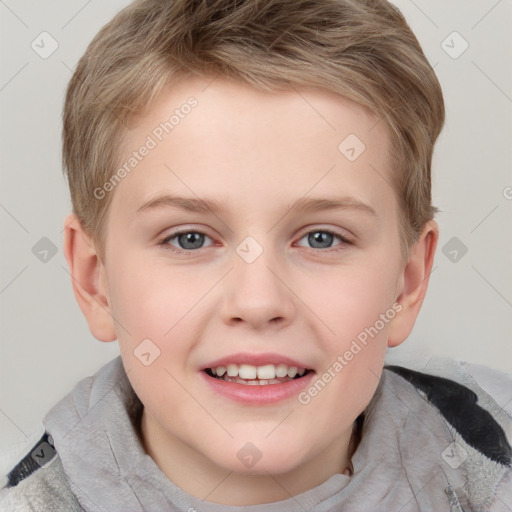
<point x="251" y="375"/>
<point x="257" y="379"/>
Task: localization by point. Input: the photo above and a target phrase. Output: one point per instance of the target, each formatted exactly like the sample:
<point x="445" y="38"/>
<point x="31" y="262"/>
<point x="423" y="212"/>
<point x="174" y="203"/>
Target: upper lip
<point x="255" y="360"/>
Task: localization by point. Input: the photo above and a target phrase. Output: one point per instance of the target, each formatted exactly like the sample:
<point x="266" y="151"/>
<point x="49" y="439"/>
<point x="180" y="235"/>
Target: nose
<point x="258" y="293"/>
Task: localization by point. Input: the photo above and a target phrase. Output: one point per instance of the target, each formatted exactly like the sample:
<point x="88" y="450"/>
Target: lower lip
<point x="258" y="394"/>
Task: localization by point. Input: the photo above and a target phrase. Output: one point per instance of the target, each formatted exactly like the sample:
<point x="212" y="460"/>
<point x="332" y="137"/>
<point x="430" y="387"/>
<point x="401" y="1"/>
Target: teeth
<point x="281" y="370"/>
<point x="292" y="371"/>
<point x="232" y="370"/>
<point x="263" y="373"/>
<point x="247" y="371"/>
<point x="266" y="372"/>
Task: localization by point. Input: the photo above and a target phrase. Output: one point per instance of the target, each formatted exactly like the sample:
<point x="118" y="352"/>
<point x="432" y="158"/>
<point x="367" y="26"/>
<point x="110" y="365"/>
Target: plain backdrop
<point x="46" y="346"/>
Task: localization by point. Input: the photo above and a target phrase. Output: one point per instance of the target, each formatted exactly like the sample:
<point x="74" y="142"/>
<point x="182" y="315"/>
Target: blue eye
<point x="187" y="240"/>
<point x="321" y="239"/>
<point x="183" y="241"/>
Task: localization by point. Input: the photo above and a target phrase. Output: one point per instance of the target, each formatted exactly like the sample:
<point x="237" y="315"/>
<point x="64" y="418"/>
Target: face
<point x="253" y="238"/>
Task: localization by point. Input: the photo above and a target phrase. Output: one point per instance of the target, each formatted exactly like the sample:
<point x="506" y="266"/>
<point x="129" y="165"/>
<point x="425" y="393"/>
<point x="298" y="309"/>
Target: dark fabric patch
<point x="42" y="453"/>
<point x="458" y="405"/>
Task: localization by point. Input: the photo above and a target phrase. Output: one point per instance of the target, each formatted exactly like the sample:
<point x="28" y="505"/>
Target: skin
<point x="256" y="153"/>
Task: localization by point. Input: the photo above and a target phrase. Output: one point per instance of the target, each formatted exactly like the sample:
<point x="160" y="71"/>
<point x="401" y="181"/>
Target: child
<point x="252" y="221"/>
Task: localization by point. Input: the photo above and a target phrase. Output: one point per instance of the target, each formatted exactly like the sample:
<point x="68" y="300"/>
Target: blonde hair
<point x="361" y="49"/>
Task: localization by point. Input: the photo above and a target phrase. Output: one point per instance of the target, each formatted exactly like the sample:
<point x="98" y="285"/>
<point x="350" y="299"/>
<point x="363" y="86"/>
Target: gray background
<point x="45" y="343"/>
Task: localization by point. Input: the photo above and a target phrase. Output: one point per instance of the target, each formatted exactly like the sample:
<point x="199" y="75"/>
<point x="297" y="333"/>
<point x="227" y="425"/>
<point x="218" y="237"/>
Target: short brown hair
<point x="361" y="49"/>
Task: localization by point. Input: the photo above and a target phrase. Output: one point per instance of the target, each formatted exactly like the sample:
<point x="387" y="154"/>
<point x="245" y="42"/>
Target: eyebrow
<point x="302" y="205"/>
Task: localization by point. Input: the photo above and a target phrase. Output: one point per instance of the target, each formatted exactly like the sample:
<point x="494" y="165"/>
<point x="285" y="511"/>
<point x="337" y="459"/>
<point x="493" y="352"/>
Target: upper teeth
<point x="268" y="371"/>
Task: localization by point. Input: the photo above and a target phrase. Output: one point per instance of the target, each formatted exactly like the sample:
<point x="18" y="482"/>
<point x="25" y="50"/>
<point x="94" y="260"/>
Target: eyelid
<point x="185" y="228"/>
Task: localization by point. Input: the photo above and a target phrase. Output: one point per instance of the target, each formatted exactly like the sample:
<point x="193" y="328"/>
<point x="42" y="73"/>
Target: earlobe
<point x="414" y="283"/>
<point x="88" y="279"/>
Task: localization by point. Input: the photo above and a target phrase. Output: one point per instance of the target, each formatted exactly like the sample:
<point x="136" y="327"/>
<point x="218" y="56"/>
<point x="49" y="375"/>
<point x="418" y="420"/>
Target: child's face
<point x="304" y="299"/>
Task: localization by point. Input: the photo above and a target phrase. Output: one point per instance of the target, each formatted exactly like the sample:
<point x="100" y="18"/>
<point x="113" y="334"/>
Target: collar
<point x="397" y="465"/>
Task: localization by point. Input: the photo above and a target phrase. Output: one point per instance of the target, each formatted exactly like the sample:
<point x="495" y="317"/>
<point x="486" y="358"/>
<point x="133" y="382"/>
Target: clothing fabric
<point x="410" y="457"/>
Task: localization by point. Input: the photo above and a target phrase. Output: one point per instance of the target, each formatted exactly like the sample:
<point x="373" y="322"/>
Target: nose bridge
<point x="255" y="293"/>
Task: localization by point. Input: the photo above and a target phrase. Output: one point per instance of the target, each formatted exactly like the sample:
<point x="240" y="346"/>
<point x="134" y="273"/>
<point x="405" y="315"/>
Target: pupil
<point x="316" y="239"/>
<point x="195" y="239"/>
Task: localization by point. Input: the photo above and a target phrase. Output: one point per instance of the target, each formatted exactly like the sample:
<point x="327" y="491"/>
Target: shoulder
<point x="34" y="487"/>
<point x="472" y="411"/>
<point x="475" y="404"/>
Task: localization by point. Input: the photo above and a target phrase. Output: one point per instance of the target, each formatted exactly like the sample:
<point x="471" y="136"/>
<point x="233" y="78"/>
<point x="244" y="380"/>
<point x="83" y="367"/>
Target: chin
<point x="260" y="458"/>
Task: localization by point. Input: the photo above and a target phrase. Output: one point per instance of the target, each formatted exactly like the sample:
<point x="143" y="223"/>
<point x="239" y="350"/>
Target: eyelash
<point x="165" y="241"/>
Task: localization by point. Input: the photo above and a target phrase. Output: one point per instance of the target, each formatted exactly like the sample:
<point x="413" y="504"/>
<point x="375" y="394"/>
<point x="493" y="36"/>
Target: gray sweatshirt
<point x="428" y="444"/>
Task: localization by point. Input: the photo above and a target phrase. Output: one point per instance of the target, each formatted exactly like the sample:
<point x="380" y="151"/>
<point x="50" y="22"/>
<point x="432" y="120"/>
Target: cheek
<point x="356" y="308"/>
<point x="153" y="308"/>
<point x="353" y="299"/>
<point x="153" y="301"/>
<point x="150" y="298"/>
<point x="347" y="380"/>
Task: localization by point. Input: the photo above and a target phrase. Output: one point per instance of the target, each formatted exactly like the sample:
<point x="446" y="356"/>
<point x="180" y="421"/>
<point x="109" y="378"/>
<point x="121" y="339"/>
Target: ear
<point x="414" y="283"/>
<point x="88" y="279"/>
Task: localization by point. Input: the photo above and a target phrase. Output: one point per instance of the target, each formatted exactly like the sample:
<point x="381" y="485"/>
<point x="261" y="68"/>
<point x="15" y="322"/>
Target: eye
<point x="323" y="239"/>
<point x="185" y="240"/>
<point x="182" y="241"/>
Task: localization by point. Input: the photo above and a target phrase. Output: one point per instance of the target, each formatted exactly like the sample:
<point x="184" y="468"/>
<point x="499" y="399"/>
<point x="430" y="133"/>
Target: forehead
<point x="243" y="146"/>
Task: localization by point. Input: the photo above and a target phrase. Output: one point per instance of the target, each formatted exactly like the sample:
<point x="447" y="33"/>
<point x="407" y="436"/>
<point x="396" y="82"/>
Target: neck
<point x="201" y="477"/>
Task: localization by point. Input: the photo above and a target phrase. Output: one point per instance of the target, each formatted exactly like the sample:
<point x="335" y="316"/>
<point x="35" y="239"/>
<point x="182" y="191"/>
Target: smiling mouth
<point x="251" y="375"/>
